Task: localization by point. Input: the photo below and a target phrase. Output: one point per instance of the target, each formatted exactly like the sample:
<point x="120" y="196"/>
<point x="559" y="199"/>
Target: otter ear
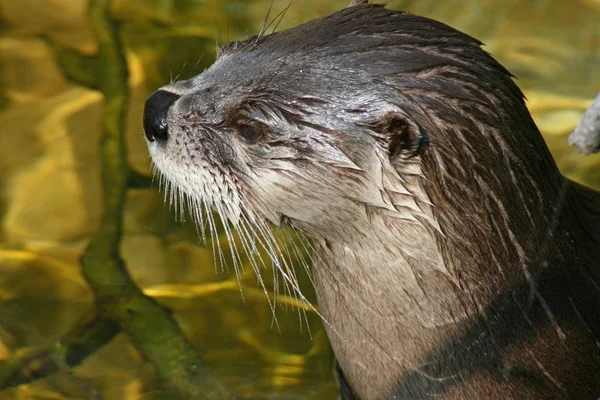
<point x="405" y="138"/>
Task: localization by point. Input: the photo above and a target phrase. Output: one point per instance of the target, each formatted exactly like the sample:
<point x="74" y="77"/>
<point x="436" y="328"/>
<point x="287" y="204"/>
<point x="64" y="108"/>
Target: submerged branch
<point x="68" y="352"/>
<point x="150" y="327"/>
<point x="122" y="307"/>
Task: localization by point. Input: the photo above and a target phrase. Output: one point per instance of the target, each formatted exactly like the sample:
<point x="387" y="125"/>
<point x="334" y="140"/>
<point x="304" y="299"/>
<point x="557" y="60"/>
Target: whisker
<point x="281" y="15"/>
<point x="263" y="26"/>
<point x="180" y="72"/>
<point x="250" y="238"/>
<point x="198" y="62"/>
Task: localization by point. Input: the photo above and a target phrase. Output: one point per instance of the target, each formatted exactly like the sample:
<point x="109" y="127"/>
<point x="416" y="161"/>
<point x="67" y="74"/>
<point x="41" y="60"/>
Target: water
<point x="50" y="125"/>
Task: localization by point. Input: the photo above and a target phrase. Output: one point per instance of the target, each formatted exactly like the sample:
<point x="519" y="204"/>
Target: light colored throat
<point x="387" y="299"/>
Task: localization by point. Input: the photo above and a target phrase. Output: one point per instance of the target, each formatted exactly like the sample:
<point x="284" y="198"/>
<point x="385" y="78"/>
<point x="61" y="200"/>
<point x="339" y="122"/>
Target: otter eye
<point x="250" y="134"/>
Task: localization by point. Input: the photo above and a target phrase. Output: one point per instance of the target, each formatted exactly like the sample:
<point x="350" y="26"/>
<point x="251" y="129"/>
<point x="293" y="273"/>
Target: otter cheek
<point x="273" y="194"/>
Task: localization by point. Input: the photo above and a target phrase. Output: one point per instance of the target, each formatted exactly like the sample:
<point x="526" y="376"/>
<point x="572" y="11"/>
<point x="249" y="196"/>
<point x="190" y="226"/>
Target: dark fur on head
<point x="445" y="263"/>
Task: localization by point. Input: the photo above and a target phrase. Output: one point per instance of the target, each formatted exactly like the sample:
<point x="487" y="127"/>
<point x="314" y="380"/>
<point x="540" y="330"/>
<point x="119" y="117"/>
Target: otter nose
<point x="155" y="114"/>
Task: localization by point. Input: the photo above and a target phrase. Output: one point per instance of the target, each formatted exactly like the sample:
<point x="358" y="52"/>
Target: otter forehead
<point x="352" y="59"/>
<point x="242" y="77"/>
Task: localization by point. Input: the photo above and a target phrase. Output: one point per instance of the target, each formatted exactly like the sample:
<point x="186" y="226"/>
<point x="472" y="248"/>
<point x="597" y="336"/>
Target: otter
<point x="451" y="258"/>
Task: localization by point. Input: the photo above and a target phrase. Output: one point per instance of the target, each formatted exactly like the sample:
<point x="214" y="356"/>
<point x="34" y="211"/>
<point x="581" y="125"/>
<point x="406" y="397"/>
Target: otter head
<point x="316" y="125"/>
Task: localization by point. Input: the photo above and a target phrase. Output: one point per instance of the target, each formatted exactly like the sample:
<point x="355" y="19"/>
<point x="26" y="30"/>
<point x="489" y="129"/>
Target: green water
<point x="51" y="112"/>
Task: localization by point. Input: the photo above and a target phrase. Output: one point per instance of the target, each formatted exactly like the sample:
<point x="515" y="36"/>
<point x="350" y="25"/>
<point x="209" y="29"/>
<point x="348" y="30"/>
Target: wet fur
<point x="452" y="259"/>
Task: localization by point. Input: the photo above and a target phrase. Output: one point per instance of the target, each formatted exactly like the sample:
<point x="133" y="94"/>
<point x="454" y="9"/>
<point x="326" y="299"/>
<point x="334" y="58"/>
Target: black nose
<point x="155" y="114"/>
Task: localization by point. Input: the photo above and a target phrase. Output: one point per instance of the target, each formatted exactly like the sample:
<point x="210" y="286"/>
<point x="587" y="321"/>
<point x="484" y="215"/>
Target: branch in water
<point x="150" y="327"/>
<point x="121" y="305"/>
<point x="67" y="353"/>
<point x="586" y="136"/>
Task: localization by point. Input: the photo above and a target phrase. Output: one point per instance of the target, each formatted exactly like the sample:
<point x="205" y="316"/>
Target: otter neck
<point x="386" y="287"/>
<point x="387" y="297"/>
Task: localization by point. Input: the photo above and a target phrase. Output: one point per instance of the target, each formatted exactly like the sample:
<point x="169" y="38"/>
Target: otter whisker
<point x="249" y="248"/>
<point x="279" y="17"/>
<point x="182" y="208"/>
<point x="253" y="253"/>
<point x="269" y="242"/>
<point x="265" y="237"/>
<point x="196" y="210"/>
<point x="214" y="240"/>
<point x="283" y="265"/>
<point x="287" y="242"/>
<point x="301" y="254"/>
<point x="198" y="62"/>
<point x="263" y="27"/>
<point x="303" y="263"/>
<point x="235" y="255"/>
<point x="285" y="253"/>
<point x="180" y="72"/>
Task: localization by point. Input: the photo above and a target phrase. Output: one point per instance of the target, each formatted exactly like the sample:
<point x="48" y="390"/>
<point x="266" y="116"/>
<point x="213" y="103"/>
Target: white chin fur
<point x="195" y="181"/>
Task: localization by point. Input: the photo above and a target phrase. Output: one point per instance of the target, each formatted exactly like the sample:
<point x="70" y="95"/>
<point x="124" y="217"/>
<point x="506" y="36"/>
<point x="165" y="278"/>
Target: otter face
<point x="288" y="158"/>
<point x="256" y="142"/>
<point x="313" y="125"/>
<point x="284" y="129"/>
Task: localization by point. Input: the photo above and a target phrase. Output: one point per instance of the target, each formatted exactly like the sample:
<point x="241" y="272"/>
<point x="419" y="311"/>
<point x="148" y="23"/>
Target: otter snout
<point x="155" y="114"/>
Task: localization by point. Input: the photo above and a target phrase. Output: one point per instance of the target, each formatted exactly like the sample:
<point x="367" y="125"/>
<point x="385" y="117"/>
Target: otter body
<point x="452" y="259"/>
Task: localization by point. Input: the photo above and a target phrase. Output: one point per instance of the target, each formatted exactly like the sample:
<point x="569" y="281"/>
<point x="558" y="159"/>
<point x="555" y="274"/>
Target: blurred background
<point x="50" y="126"/>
